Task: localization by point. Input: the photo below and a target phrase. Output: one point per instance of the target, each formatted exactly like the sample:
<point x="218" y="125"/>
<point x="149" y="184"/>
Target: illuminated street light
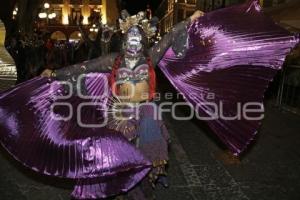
<point x="52" y="16"/>
<point x="43" y="15"/>
<point x="94" y="29"/>
<point x="46" y="5"/>
<point x="15" y="11"/>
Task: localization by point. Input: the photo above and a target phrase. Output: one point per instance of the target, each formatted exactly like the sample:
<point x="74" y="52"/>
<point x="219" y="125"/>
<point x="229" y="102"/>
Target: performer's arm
<point x="101" y="64"/>
<point x="177" y="38"/>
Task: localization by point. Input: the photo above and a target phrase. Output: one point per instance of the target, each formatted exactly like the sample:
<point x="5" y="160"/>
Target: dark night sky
<point x="133" y="6"/>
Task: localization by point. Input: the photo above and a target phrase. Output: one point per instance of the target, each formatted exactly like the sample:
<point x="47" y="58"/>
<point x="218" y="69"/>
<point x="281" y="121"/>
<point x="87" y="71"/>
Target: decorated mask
<point x="133" y="44"/>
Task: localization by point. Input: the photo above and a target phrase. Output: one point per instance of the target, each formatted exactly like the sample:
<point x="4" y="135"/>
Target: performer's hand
<point x="196" y="15"/>
<point x="46" y="73"/>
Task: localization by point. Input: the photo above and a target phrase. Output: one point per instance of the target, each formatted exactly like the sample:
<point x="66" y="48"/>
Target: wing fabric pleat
<point x="233" y="55"/>
<point x="60" y="148"/>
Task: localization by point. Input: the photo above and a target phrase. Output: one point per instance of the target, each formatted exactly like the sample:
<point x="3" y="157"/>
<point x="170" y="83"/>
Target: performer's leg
<point x="153" y="142"/>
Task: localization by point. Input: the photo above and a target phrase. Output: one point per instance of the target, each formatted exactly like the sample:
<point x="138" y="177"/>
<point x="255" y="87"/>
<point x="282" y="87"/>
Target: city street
<point x="199" y="169"/>
<point x="224" y="52"/>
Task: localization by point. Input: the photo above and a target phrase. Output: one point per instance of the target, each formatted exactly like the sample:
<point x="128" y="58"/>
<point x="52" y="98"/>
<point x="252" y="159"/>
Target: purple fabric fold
<point x="63" y="148"/>
<point x="232" y="56"/>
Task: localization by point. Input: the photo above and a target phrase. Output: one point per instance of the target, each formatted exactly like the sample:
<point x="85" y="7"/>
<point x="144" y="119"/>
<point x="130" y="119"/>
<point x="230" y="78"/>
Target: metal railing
<point x="288" y="97"/>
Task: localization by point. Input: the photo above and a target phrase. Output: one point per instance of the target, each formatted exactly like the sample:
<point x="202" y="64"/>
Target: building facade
<point x="171" y="12"/>
<point x="61" y="17"/>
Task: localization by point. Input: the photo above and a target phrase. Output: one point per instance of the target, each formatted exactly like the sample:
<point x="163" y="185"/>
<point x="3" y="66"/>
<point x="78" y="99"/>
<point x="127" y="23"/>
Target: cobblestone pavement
<point x="199" y="168"/>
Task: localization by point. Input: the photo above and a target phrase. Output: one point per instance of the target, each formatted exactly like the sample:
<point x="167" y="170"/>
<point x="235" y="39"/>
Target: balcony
<point x="187" y="1"/>
<point x="76" y="2"/>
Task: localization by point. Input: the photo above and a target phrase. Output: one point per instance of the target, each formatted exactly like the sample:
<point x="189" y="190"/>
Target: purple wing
<point x="233" y="55"/>
<point x="102" y="160"/>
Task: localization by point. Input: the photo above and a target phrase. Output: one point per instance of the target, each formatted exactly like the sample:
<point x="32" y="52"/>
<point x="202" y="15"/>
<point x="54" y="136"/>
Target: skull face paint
<point x="133" y="45"/>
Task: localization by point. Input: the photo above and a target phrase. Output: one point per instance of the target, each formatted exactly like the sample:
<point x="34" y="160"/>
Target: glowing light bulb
<point x="42" y="15"/>
<point x="46" y="5"/>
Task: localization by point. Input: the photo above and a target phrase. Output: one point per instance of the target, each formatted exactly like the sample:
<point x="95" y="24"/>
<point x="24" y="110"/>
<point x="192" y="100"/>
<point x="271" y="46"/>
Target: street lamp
<point x="52" y="15"/>
<point x="15" y="12"/>
<point x="43" y="15"/>
<point x="46" y="5"/>
<point x="94" y="29"/>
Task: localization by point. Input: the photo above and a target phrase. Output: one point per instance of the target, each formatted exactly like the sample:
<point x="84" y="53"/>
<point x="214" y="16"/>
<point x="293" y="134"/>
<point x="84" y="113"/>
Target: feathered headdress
<point x="149" y="26"/>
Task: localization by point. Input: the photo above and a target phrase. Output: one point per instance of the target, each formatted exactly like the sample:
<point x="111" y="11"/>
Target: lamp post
<point x="45" y="14"/>
<point x="46" y="7"/>
<point x="15" y="12"/>
<point x="94" y="29"/>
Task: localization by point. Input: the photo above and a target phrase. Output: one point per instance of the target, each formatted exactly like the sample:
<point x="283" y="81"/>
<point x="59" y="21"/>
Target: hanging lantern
<point x="85" y="11"/>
